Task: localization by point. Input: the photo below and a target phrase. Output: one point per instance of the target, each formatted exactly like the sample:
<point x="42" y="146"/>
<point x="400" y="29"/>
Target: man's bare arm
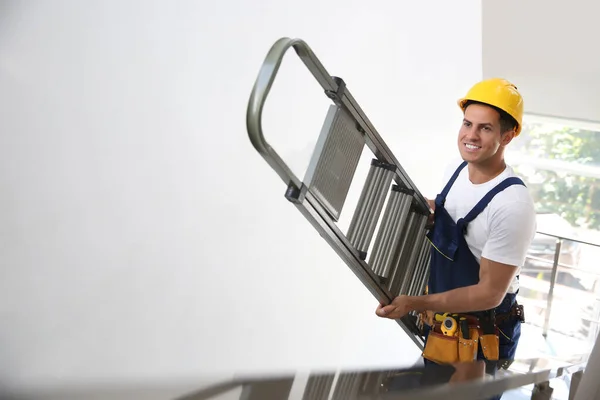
<point x="494" y="280"/>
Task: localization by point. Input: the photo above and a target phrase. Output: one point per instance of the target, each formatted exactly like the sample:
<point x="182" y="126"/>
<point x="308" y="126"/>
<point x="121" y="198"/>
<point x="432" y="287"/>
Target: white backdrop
<point x="556" y="70"/>
<point x="143" y="238"/>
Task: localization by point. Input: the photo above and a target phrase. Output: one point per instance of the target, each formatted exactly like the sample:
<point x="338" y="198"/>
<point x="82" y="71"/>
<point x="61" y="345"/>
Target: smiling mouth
<point x="470" y="146"/>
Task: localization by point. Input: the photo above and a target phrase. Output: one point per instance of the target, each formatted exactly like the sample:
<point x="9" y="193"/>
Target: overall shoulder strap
<point x="444" y="193"/>
<point x="483" y="203"/>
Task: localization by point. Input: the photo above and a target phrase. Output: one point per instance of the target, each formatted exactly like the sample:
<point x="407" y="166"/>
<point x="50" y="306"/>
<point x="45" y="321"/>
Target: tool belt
<point x="457" y="337"/>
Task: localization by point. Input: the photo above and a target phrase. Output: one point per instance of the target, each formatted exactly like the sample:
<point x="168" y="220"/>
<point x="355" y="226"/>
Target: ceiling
<point x="549" y="50"/>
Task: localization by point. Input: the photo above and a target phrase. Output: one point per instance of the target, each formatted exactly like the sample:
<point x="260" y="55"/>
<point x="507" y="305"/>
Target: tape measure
<point x="449" y="326"/>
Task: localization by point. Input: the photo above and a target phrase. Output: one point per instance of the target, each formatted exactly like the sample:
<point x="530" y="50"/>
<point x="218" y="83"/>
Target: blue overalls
<point x="453" y="265"/>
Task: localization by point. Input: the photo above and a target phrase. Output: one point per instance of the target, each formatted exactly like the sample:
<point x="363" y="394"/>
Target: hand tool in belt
<point x="487" y="321"/>
<point x="464" y="328"/>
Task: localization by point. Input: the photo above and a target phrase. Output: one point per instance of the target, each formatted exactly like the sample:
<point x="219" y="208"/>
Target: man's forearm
<point x="466" y="299"/>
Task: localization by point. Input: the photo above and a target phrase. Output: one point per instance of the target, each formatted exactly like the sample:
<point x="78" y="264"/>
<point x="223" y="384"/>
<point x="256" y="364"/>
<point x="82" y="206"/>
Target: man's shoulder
<point x="517" y="192"/>
<point x="513" y="210"/>
<point x="514" y="205"/>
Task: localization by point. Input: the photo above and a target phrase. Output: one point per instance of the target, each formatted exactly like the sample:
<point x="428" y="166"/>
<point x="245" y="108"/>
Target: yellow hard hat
<point x="499" y="93"/>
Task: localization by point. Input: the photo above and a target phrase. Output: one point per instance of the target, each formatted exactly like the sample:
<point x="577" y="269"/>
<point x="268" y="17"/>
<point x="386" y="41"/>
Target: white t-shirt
<point x="505" y="228"/>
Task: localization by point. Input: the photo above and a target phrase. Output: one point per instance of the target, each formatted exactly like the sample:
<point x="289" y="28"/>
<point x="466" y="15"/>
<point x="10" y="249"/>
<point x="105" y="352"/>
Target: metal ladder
<point x="399" y="257"/>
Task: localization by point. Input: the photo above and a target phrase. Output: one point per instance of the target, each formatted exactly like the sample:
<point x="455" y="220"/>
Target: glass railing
<point x="560" y="289"/>
<point x="461" y="380"/>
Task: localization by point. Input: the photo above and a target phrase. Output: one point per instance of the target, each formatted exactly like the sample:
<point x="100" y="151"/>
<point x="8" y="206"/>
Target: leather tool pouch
<point x="467" y="348"/>
<point x="440" y="348"/>
<point x="490" y="346"/>
<point x="489" y="340"/>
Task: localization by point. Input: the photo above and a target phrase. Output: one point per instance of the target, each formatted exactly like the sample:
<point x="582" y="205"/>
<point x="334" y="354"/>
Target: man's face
<point x="480" y="136"/>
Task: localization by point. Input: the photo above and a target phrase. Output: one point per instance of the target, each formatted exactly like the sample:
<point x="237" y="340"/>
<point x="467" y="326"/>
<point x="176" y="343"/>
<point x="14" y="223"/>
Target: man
<point x="484" y="222"/>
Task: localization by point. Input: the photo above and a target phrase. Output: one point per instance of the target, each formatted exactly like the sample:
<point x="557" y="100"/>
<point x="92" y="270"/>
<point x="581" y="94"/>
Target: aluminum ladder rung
<point x="410" y="259"/>
<point x="415" y="279"/>
<point x="394" y="218"/>
<point x="370" y="204"/>
<point x="402" y="252"/>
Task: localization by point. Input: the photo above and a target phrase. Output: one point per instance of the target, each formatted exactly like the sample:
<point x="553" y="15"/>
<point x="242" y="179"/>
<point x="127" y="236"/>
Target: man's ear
<point x="507" y="137"/>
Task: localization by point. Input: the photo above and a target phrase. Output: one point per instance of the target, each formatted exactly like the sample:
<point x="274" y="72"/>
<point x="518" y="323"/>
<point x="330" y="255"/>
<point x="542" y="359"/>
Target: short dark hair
<point x="507" y="122"/>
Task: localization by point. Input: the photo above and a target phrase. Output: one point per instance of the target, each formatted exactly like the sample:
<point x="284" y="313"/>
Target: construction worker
<point x="483" y="224"/>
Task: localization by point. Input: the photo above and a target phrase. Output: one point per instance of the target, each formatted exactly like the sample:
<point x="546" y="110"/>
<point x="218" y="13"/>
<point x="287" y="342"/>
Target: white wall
<point x="547" y="48"/>
<point x="142" y="236"/>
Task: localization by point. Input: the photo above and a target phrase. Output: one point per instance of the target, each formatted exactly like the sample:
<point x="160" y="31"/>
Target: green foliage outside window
<point x="574" y="197"/>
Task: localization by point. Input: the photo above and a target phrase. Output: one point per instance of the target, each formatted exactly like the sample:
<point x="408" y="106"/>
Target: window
<point x="559" y="161"/>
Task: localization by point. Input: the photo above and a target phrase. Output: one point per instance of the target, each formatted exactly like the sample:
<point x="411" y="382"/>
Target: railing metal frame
<point x="370" y="384"/>
<point x="556" y="265"/>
